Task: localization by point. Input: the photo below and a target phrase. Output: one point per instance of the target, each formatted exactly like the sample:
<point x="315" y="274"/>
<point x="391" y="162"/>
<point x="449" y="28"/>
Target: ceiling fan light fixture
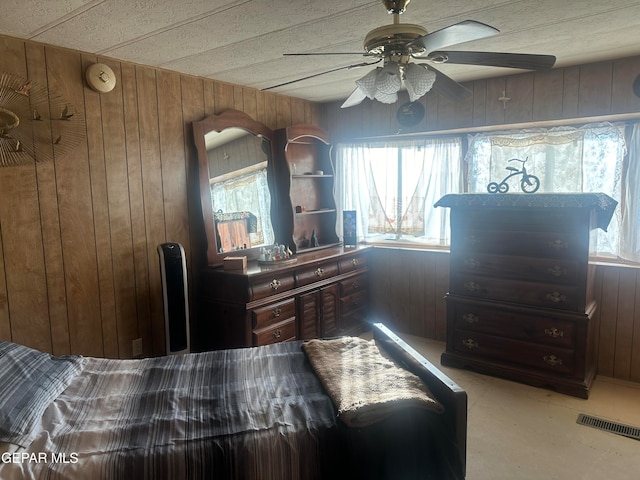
<point x="388" y="79"/>
<point x="418" y="80"/>
<point x="368" y="83"/>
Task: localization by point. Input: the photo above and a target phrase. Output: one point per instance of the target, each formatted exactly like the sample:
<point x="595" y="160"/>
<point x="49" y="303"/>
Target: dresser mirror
<point x="234" y="162"/>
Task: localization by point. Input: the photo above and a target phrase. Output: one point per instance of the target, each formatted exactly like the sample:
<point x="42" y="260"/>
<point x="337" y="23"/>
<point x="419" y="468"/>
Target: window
<point x="587" y="159"/>
<point x="394" y="184"/>
<point x="393" y="187"/>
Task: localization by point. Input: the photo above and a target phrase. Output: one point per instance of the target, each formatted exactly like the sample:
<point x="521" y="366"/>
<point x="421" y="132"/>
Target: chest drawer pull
<point x="275" y="284"/>
<point x="471" y="263"/>
<point x="470" y="318"/>
<point x="471" y="286"/>
<point x="558" y="244"/>
<point x="557" y="271"/>
<point x="276" y="312"/>
<point x="552" y="360"/>
<point x="553" y="332"/>
<point x="354" y="262"/>
<point x="319" y="272"/>
<point x="556" y="297"/>
<point x="470" y="343"/>
<point x="277" y="333"/>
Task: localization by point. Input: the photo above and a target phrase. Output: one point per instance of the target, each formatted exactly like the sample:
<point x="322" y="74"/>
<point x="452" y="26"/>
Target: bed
<point x="251" y="413"/>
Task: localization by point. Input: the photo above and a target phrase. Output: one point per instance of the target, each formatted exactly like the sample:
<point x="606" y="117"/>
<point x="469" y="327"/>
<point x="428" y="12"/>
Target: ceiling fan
<point x="396" y="45"/>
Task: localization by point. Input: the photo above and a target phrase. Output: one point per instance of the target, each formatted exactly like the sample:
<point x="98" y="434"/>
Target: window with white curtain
<point x="565" y="159"/>
<point x="393" y="186"/>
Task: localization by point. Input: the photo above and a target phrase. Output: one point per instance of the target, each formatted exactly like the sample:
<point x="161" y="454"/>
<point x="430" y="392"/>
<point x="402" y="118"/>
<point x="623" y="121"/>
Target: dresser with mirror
<point x="245" y="179"/>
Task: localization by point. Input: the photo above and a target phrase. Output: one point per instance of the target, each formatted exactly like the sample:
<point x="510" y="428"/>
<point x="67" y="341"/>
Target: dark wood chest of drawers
<point x="323" y="293"/>
<point x="521" y="298"/>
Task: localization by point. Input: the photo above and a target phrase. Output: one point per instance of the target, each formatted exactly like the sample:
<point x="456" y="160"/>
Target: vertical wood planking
<point x="153" y="196"/>
<point x="50" y="224"/>
<point x="64" y="69"/>
<point x="608" y="305"/>
<point x="22" y="236"/>
<point x="100" y="207"/>
<point x="624" y="325"/>
<point x="136" y="206"/>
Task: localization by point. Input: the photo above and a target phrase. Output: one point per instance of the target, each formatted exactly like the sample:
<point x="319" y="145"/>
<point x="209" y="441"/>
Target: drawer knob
<point x="275" y="284"/>
<point x="557" y="271"/>
<point x="556" y="297"/>
<point x="552" y="360"/>
<point x="355" y="285"/>
<point x="354" y="262"/>
<point x="276" y="312"/>
<point x="470" y="318"/>
<point x="553" y="332"/>
<point x="471" y="286"/>
<point x="472" y="263"/>
<point x="558" y="244"/>
<point x="470" y="343"/>
<point x="319" y="272"/>
<point x="277" y="333"/>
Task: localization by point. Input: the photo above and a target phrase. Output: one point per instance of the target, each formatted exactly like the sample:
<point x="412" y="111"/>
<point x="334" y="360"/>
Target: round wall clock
<point x="410" y="114"/>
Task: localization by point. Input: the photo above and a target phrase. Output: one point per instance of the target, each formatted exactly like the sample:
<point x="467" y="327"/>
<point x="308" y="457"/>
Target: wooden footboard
<point x="453" y="422"/>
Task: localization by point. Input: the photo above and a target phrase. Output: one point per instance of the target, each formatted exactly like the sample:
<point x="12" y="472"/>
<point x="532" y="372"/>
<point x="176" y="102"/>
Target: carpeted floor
<point x="520" y="432"/>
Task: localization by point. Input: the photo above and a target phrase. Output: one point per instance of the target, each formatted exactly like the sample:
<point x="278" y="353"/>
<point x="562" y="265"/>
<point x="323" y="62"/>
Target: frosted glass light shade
<point x="418" y="80"/>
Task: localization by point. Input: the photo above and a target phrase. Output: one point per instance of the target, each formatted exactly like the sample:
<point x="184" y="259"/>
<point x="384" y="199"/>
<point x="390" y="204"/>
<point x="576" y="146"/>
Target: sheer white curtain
<point x="393" y="186"/>
<point x="566" y="159"/>
<point x="630" y="229"/>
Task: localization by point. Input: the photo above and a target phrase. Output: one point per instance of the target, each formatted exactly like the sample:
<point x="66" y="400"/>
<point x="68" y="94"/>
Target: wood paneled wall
<point x="562" y="94"/>
<point x="79" y="270"/>
<point x="408" y="289"/>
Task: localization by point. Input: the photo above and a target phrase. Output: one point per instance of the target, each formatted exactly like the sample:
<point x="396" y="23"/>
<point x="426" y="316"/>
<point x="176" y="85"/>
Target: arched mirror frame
<point x="218" y="123"/>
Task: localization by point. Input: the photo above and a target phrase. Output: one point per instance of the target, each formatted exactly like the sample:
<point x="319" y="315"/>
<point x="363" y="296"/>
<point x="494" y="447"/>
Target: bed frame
<point x="452" y="424"/>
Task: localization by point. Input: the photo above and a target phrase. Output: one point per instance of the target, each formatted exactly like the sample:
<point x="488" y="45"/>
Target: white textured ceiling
<point x="242" y="41"/>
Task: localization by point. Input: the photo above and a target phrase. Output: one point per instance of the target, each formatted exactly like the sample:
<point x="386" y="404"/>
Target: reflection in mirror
<point x="234" y="154"/>
<point x="240" y="196"/>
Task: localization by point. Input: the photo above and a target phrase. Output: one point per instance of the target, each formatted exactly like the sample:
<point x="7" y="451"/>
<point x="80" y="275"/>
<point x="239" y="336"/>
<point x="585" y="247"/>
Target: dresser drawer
<point x="356" y="262"/>
<point x="513" y="324"/>
<point x="525" y="268"/>
<point x="353" y="302"/>
<point x="561" y="297"/>
<point x="275" y="313"/>
<point x="541" y="357"/>
<point x="279" y="332"/>
<point x="353" y="284"/>
<point x="267" y="286"/>
<point x="308" y="275"/>
<point x="524" y="243"/>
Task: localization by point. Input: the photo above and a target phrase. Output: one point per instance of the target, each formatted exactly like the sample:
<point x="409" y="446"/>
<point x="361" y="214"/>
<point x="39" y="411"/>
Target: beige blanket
<point x="363" y="382"/>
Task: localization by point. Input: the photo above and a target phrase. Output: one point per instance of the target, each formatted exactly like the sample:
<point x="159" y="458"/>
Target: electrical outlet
<point x="136" y="346"/>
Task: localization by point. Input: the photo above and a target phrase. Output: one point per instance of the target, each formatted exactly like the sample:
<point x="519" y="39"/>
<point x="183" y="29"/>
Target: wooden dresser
<point x="521" y="298"/>
<point x="322" y="293"/>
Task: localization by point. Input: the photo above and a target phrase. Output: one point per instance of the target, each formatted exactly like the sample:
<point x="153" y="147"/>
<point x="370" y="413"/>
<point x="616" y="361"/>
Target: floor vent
<point x="609" y="426"/>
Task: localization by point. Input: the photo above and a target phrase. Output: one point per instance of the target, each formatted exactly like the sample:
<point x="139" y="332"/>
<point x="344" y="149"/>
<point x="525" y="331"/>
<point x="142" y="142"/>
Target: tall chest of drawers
<point x="521" y="298"/>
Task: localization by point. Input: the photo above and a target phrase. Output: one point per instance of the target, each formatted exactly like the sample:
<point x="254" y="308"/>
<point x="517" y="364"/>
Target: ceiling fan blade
<point x="348" y="67"/>
<point x="465" y="31"/>
<point x="448" y="87"/>
<point x="356" y="98"/>
<point x="495" y="59"/>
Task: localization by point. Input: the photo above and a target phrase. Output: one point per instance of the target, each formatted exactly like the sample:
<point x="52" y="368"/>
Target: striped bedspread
<point x="257" y="413"/>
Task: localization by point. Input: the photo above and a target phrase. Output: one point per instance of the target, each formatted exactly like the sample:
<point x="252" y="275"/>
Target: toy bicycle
<point x="529" y="183"/>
